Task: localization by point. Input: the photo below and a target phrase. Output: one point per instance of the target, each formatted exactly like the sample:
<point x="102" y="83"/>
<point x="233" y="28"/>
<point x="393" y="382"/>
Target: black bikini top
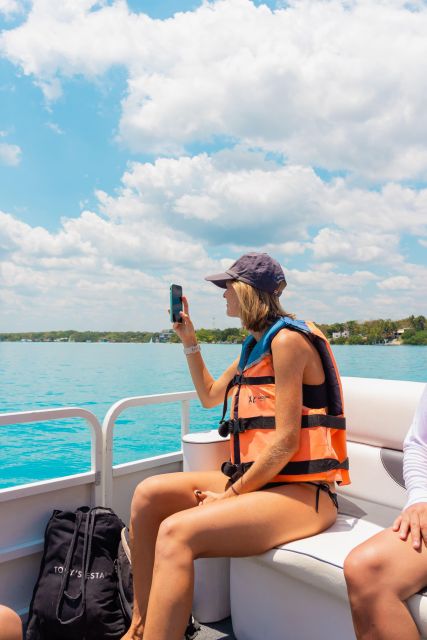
<point x="315" y="396"/>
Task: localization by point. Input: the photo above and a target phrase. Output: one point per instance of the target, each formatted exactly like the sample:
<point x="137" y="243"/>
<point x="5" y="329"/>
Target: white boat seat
<point x="318" y="562"/>
<point x="297" y="591"/>
<point x="321" y="558"/>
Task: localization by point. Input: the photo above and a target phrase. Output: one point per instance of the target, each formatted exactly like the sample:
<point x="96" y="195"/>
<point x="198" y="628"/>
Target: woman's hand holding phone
<point x="185" y="329"/>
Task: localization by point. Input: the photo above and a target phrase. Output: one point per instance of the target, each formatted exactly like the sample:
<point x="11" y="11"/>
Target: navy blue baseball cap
<point x="257" y="269"/>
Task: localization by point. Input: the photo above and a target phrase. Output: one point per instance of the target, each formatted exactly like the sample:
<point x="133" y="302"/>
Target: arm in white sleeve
<point x="415" y="455"/>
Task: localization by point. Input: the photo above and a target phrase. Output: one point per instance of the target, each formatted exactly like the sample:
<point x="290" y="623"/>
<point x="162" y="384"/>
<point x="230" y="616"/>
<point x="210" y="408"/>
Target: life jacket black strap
<point x="301" y="468"/>
<point x="235" y="471"/>
<point x="240" y="425"/>
<point x="322" y="420"/>
<point x="255" y="380"/>
<point x="305" y="467"/>
<point x="224" y="406"/>
<point x="240" y="379"/>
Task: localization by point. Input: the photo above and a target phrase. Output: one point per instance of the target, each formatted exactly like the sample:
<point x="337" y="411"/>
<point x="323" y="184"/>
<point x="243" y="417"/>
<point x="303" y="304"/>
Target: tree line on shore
<point x="411" y="330"/>
<point x="77" y="336"/>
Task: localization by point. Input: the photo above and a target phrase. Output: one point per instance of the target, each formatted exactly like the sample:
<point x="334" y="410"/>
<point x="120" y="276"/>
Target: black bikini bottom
<point x="321" y="486"/>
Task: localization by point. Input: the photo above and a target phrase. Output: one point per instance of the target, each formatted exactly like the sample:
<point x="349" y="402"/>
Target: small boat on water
<point x="303" y="576"/>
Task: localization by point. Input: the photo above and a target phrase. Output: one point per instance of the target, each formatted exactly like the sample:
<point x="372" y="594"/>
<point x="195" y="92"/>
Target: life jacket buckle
<point x="238" y="378"/>
<point x="235" y="471"/>
<point x="238" y="426"/>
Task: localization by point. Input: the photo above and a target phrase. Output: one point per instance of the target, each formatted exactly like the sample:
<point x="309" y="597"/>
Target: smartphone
<point x="175" y="302"/>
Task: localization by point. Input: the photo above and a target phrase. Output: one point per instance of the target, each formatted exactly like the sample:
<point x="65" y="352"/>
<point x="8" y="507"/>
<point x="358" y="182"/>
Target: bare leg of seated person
<point x="10" y="624"/>
<point x="381" y="574"/>
<point x="155" y="499"/>
<point x="245" y="525"/>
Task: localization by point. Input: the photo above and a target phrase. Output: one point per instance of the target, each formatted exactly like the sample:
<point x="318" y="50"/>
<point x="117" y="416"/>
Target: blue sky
<point x="145" y="142"/>
<point x="68" y="150"/>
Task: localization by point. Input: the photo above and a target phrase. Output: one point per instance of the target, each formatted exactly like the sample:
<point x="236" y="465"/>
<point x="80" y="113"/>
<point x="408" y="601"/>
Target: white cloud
<point x="53" y="126"/>
<point x="392" y="208"/>
<point x="93" y="272"/>
<point x="291" y="248"/>
<point x="325" y="83"/>
<point x="124" y="262"/>
<point x="37" y="242"/>
<point x="10" y="154"/>
<point x="403" y="294"/>
<point x="10" y="7"/>
<point x="177" y="219"/>
<point x="196" y="197"/>
<point x="90" y="237"/>
<point x="395" y="283"/>
<point x="334" y="85"/>
<point x="353" y="246"/>
<point x="143" y="226"/>
<point x="330" y="280"/>
<point x="201" y="207"/>
<point x="221" y="203"/>
<point x="351" y="302"/>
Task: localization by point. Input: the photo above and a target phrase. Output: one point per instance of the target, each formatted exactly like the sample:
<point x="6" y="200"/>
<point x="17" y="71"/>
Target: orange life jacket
<point x="322" y="454"/>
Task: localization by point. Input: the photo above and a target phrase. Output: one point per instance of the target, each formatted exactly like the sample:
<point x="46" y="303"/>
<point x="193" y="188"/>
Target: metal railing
<point x="101" y="471"/>
<point x="118" y="408"/>
<point x="43" y="415"/>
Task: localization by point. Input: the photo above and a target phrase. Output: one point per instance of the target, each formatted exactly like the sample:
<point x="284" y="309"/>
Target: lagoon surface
<point x="94" y="376"/>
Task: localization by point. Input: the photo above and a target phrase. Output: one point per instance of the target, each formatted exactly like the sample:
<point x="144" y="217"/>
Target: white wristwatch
<point x="195" y="348"/>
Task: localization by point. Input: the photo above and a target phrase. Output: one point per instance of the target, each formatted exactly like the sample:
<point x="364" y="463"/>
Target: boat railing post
<point x="185" y="417"/>
<point x="116" y="410"/>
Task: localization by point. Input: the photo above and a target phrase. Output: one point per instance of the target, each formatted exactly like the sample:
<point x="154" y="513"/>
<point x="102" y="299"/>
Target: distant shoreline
<point x="334" y="344"/>
<point x="407" y="331"/>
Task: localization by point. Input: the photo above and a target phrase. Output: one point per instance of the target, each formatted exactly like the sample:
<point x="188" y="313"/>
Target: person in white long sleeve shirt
<point x="415" y="456"/>
<point x="383" y="572"/>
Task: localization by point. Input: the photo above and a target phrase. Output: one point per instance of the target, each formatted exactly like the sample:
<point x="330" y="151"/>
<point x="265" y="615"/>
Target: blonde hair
<point x="258" y="309"/>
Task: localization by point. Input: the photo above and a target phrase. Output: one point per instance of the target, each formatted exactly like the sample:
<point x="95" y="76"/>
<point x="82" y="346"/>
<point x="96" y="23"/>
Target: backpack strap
<point x="124" y="574"/>
<point x="87" y="547"/>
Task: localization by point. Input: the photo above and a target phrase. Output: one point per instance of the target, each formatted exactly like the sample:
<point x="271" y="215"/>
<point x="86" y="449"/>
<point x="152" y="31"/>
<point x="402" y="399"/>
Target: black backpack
<point x="79" y="591"/>
<point x="84" y="590"/>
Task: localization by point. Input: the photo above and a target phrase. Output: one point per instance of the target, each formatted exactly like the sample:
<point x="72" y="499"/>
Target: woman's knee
<point x="147" y="495"/>
<point x="10" y="624"/>
<point x="365" y="568"/>
<point x="174" y="541"/>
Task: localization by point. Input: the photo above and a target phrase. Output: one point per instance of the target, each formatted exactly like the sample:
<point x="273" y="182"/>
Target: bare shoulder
<point x="290" y="352"/>
<point x="289" y="340"/>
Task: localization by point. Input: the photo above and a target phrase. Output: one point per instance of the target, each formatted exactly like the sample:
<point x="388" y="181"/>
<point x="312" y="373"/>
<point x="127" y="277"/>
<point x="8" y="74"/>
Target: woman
<point x="390" y="567"/>
<point x="10" y="624"/>
<point x="285" y="494"/>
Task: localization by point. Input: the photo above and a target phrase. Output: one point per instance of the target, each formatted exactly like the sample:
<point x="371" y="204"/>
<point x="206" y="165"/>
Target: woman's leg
<point x="381" y="574"/>
<point x="241" y="526"/>
<point x="10" y="624"/>
<point x="155" y="499"/>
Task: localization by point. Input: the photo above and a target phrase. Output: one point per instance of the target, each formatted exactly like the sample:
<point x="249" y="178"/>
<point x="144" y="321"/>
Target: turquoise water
<point x="94" y="376"/>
